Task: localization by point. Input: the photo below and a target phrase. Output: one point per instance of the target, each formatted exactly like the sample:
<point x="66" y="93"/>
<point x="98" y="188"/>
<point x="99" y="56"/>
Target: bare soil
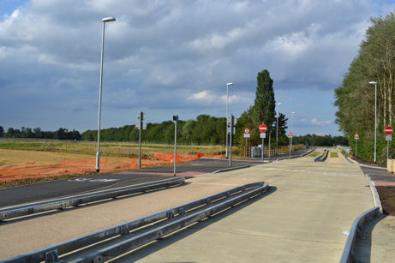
<point x="387" y="197"/>
<point x="20" y="165"/>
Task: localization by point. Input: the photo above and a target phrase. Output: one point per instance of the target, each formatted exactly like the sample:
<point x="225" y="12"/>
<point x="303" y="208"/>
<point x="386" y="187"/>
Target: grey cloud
<point x="158" y="53"/>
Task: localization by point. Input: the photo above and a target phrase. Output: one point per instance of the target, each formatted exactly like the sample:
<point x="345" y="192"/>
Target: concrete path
<point x="303" y="221"/>
<point x="383" y="240"/>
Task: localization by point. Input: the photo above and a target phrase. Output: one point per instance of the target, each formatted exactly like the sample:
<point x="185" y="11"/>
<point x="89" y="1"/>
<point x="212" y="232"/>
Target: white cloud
<point x="322" y="123"/>
<point x="160" y="53"/>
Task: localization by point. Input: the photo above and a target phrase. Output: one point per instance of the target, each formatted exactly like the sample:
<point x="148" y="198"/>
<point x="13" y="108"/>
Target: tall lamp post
<point x="104" y="21"/>
<point x="227" y="118"/>
<point x="278" y="116"/>
<point x="290" y="140"/>
<point x="375" y="120"/>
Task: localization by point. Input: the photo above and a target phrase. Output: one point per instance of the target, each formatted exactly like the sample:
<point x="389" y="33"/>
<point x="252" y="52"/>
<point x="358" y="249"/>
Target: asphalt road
<point x="46" y="190"/>
<point x="59" y="188"/>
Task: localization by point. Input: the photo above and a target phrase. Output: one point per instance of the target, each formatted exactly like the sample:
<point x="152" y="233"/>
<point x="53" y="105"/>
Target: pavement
<point x="305" y="220"/>
<point x="378" y="242"/>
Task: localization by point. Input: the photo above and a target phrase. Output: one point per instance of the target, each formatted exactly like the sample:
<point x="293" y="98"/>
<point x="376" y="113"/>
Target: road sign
<point x="388" y="137"/>
<point x="246" y="130"/>
<point x="388" y="130"/>
<point x="356" y="137"/>
<point x="290" y="135"/>
<point x="262" y="128"/>
<point x="262" y="135"/>
<point x="247" y="135"/>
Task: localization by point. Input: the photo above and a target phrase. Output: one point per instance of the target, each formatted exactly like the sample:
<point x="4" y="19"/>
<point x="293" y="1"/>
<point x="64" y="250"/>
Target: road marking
<point x="104" y="180"/>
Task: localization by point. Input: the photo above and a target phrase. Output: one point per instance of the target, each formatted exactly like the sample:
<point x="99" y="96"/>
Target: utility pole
<point x="141" y="118"/>
<point x="175" y="119"/>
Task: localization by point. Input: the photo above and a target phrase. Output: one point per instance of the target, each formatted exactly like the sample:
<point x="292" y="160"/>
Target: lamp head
<point x="373" y="82"/>
<point x="108" y="19"/>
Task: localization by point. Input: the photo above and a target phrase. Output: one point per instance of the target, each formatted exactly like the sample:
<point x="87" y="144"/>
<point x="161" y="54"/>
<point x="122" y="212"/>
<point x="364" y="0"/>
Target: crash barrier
<point x="85" y="198"/>
<point x="112" y="242"/>
<point x="357" y="227"/>
<point x="322" y="157"/>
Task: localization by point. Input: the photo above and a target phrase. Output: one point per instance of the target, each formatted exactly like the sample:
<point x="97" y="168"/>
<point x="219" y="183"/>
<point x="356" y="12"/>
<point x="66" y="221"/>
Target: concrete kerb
<point x="231" y="168"/>
<point x="359" y="223"/>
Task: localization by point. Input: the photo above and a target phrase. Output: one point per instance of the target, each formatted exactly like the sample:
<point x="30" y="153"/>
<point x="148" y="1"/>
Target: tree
<point x="263" y="110"/>
<point x="1" y="131"/>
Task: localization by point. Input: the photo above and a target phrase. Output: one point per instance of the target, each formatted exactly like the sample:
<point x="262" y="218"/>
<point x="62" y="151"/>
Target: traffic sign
<point x="246" y="130"/>
<point x="388" y="137"/>
<point x="262" y="135"/>
<point x="356" y="137"/>
<point x="290" y="135"/>
<point x="388" y="130"/>
<point x="247" y="135"/>
<point x="262" y="128"/>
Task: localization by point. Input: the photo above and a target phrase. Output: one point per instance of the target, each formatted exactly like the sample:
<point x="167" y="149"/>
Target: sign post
<point x="141" y="118"/>
<point x="246" y="136"/>
<point x="290" y="136"/>
<point x="356" y="138"/>
<point x="263" y="130"/>
<point x="232" y="124"/>
<point x="175" y="119"/>
<point x="388" y="131"/>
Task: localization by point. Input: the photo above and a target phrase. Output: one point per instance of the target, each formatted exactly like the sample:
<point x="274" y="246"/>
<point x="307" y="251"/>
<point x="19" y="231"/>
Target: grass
<point x="120" y="149"/>
<point x="315" y="154"/>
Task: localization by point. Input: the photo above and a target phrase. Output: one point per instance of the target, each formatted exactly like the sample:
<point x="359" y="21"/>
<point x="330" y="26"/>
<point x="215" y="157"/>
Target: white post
<point x="227" y="120"/>
<point x="375" y="123"/>
<point x="104" y="20"/>
<point x="100" y="100"/>
<point x="175" y="145"/>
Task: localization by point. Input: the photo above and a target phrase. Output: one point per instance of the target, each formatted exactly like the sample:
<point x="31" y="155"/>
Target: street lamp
<point x="227" y="117"/>
<point x="375" y="119"/>
<point x="278" y="115"/>
<point x="104" y="20"/>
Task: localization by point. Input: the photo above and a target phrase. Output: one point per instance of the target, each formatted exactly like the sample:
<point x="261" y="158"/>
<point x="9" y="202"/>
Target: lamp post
<point x="278" y="116"/>
<point x="375" y="120"/>
<point x="227" y="118"/>
<point x="104" y="21"/>
<point x="175" y="120"/>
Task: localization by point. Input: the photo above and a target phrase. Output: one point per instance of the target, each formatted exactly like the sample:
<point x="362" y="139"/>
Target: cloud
<point x="321" y="123"/>
<point x="159" y="54"/>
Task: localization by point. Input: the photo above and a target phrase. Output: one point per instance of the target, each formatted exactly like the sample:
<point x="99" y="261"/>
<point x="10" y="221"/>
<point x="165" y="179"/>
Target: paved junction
<point x="304" y="219"/>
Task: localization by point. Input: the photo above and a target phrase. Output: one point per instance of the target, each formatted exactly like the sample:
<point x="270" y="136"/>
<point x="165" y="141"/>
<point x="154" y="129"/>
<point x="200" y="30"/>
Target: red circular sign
<point x="262" y="128"/>
<point x="388" y="130"/>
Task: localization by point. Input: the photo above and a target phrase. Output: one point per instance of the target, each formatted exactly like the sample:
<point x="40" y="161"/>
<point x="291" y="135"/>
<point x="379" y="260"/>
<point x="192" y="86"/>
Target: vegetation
<point x="320" y="140"/>
<point x="355" y="97"/>
<point x="262" y="111"/>
<point x="37" y="133"/>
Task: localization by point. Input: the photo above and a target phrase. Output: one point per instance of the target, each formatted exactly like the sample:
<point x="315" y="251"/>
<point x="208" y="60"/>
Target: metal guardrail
<point x="359" y="223"/>
<point x="322" y="157"/>
<point x="113" y="242"/>
<point x="11" y="212"/>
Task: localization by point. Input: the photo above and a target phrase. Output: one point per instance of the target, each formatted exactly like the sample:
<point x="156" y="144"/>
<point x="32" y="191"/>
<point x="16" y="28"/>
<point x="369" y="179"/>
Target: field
<point x="25" y="160"/>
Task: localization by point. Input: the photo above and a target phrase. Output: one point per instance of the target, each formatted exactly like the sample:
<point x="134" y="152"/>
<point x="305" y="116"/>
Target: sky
<point x="175" y="57"/>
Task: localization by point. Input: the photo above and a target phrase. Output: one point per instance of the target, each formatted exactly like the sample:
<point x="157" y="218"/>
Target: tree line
<point x="355" y="98"/>
<point x="37" y="133"/>
<point x="320" y="140"/>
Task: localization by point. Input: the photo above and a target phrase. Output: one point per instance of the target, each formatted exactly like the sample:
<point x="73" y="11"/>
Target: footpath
<point x="382" y="239"/>
<point x="305" y="220"/>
